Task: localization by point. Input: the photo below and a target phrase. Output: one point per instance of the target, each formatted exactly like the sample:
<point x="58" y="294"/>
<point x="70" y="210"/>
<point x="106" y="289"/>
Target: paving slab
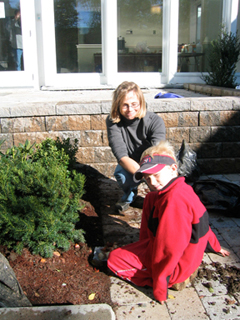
<point x="124" y="293"/>
<point x="221" y="307"/>
<point x="71" y="312"/>
<point x="142" y="311"/>
<point x="185" y="305"/>
<point x="203" y="290"/>
<point x="136" y="303"/>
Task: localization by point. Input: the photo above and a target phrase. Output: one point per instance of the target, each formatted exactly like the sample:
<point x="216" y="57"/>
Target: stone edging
<point x="211" y="90"/>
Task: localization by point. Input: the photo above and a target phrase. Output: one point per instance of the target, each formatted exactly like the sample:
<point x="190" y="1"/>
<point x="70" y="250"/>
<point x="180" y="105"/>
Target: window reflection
<point x="11" y="48"/>
<point x="78" y="35"/>
<point x="199" y="23"/>
<point x="140" y="36"/>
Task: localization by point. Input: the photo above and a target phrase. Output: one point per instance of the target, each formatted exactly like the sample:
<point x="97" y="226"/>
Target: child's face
<point x="160" y="179"/>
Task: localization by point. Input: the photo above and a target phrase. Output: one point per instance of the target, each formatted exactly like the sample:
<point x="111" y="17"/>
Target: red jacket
<point x="176" y="224"/>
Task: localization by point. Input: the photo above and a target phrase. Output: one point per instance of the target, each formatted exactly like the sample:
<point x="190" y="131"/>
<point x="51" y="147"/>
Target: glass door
<point x="199" y="23"/>
<point x="140" y="36"/>
<point x="78" y="36"/>
<point x="90" y="43"/>
<point x="72" y="35"/>
<point x="17" y="65"/>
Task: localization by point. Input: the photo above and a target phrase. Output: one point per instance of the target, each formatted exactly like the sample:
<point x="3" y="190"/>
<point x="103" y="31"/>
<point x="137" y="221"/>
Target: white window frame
<point x="40" y="52"/>
<point x="109" y="76"/>
<point x="29" y="76"/>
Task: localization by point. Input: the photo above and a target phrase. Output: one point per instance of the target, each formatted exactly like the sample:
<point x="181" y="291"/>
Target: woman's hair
<point x="162" y="148"/>
<point x="118" y="97"/>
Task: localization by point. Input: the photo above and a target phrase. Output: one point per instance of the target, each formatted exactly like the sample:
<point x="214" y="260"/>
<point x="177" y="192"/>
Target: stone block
<point x="231" y="149"/>
<point x="107" y="169"/>
<point x="225" y="134"/>
<point x="199" y="134"/>
<point x="236" y="93"/>
<point x="98" y="122"/>
<point x="230" y="118"/>
<point x="219" y="165"/>
<point x="106" y="107"/>
<point x="188" y="119"/>
<point x="169" y="105"/>
<point x="199" y="88"/>
<point x="15" y="125"/>
<point x="236" y="103"/>
<point x="216" y="91"/>
<point x="32" y="109"/>
<point x="211" y="104"/>
<point x="85" y="155"/>
<point x="176" y="135"/>
<point x="228" y="91"/>
<point x="5" y="112"/>
<point x="209" y="118"/>
<point x="210" y="150"/>
<point x="8" y="141"/>
<point x="105" y="138"/>
<point x="68" y="108"/>
<point x="207" y="90"/>
<point x="170" y="119"/>
<point x="91" y="138"/>
<point x="104" y="154"/>
<point x="192" y="86"/>
<point x="195" y="146"/>
<point x="36" y="137"/>
<point x="70" y="123"/>
<point x="72" y="135"/>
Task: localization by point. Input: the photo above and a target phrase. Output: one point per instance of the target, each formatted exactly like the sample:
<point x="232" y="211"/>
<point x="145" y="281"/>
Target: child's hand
<point x="224" y="252"/>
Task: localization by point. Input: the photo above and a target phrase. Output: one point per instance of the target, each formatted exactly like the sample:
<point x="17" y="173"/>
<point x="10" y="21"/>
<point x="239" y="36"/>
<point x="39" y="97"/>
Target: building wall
<point x="210" y="125"/>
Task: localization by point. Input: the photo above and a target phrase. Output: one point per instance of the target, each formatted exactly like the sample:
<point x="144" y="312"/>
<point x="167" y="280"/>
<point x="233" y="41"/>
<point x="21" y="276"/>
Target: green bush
<point x="223" y="58"/>
<point x="39" y="199"/>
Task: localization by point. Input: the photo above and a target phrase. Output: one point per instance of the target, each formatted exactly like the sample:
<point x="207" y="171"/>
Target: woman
<point x="131" y="130"/>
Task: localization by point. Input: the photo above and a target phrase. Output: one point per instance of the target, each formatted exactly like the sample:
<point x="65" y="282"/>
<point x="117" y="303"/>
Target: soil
<point x="67" y="277"/>
<point x="227" y="275"/>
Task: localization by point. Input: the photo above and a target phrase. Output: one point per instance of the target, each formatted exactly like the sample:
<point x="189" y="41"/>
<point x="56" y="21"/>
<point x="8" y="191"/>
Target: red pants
<point x="126" y="262"/>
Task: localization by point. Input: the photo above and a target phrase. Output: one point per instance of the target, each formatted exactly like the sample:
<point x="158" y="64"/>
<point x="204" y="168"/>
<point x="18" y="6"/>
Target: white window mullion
<point x="230" y="14"/>
<point x="170" y="39"/>
<point x="234" y="15"/>
<point x="109" y="41"/>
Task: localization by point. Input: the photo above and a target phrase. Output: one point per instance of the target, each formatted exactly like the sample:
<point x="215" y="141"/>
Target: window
<point x="78" y="35"/>
<point x="11" y="47"/>
<point x="199" y="23"/>
<point x="139" y="36"/>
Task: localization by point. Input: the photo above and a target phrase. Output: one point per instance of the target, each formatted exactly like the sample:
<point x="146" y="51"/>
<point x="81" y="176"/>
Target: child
<point x="174" y="231"/>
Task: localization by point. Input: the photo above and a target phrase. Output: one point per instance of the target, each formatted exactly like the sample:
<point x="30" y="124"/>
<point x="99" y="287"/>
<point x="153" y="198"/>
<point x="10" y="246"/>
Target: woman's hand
<point x="224" y="252"/>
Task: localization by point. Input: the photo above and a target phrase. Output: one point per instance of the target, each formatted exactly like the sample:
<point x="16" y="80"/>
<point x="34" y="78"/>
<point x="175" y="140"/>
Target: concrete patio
<point x="194" y="302"/>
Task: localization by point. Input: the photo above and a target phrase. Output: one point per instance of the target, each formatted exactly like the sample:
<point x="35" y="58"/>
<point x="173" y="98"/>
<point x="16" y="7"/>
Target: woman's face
<point x="130" y="106"/>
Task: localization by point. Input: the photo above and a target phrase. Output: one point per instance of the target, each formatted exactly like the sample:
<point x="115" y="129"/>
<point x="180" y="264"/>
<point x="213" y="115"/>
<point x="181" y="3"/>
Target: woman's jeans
<point x="126" y="183"/>
<point x="18" y="58"/>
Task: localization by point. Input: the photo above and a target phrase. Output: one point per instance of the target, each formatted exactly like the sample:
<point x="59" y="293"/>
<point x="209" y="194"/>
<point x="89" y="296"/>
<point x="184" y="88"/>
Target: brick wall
<point x="210" y="125"/>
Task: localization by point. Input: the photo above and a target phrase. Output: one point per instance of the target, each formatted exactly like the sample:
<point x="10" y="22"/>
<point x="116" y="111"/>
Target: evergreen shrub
<point x="223" y="59"/>
<point x="39" y="198"/>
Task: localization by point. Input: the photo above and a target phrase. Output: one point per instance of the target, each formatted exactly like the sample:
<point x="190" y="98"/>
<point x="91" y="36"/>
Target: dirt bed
<point x="67" y="277"/>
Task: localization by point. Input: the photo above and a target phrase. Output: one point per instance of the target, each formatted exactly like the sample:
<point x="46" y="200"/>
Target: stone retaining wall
<point x="210" y="125"/>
